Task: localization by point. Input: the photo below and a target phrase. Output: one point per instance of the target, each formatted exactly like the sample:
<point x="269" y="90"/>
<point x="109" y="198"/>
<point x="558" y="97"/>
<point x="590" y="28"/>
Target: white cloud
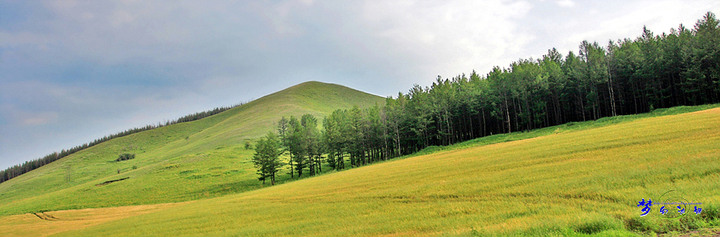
<point x="566" y="3"/>
<point x="450" y="37"/>
<point x="614" y="20"/>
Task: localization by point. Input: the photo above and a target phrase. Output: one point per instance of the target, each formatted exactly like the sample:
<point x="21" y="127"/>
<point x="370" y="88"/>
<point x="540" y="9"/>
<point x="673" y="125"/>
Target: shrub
<point x="125" y="156"/>
<point x="248" y="146"/>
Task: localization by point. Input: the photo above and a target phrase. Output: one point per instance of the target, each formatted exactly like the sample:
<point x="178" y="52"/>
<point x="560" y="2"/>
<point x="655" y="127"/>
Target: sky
<point x="75" y="71"/>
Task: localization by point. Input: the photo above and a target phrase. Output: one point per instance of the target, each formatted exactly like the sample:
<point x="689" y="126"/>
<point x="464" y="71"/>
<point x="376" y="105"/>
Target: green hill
<point x="185" y="161"/>
<point x="570" y="182"/>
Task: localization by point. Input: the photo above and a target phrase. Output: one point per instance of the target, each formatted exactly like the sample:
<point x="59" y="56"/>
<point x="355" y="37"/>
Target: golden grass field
<point x="53" y="222"/>
<point x="584" y="182"/>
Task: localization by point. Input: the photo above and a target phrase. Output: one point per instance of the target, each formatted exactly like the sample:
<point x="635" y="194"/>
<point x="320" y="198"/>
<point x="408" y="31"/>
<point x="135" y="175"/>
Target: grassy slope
<point x="186" y="161"/>
<point x="587" y="180"/>
<point x="567" y="127"/>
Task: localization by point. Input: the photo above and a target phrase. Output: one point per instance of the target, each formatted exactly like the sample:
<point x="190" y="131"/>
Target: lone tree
<point x="267" y="157"/>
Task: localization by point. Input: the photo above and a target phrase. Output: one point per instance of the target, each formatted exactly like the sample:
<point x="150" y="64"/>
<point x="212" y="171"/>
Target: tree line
<point x="28" y="166"/>
<point x="628" y="76"/>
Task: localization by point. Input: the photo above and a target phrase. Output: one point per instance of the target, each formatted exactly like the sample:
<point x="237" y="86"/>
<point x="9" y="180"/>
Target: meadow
<point x="584" y="180"/>
<point x="181" y="162"/>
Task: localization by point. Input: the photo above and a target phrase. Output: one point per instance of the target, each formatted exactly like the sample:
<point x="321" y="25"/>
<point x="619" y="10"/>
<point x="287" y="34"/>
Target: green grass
<point x="573" y="179"/>
<point x="186" y="161"/>
<point x="578" y="183"/>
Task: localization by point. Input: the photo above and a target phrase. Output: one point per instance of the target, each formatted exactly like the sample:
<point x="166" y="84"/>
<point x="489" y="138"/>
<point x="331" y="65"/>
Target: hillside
<point x="585" y="181"/>
<point x="186" y="161"/>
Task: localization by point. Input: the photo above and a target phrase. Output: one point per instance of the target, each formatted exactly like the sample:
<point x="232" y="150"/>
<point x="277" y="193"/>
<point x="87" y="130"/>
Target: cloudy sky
<point x="74" y="71"/>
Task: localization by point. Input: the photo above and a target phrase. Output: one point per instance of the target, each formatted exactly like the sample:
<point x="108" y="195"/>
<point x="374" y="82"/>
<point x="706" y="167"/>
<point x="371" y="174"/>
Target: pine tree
<point x="267" y="157"/>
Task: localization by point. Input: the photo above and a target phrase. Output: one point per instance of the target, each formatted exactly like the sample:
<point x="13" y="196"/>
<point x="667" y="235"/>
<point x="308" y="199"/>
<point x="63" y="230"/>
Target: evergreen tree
<point x="296" y="146"/>
<point x="267" y="157"/>
<point x="311" y="146"/>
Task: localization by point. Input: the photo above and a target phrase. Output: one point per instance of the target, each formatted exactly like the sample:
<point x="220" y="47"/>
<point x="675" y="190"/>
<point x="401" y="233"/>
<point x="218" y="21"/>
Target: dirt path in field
<point x="701" y="232"/>
<point x="45" y="216"/>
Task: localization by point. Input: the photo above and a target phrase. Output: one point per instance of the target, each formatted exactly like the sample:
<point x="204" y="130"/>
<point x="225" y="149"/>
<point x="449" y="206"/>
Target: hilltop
<point x="180" y="162"/>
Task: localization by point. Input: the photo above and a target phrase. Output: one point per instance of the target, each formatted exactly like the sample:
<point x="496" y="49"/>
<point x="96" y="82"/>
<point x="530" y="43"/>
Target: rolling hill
<point x="180" y="162"/>
<point x="572" y="181"/>
<point x="196" y="178"/>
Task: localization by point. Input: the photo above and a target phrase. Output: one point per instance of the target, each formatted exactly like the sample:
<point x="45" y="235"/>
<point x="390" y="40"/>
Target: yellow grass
<point x="49" y="223"/>
<point x="567" y="183"/>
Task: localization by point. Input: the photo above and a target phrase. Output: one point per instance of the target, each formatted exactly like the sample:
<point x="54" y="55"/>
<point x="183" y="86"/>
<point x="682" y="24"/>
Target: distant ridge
<point x="30" y="165"/>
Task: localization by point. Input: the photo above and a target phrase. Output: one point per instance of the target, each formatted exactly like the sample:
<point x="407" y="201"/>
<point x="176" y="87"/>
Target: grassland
<point x="53" y="222"/>
<point x="571" y="181"/>
<point x="181" y="162"/>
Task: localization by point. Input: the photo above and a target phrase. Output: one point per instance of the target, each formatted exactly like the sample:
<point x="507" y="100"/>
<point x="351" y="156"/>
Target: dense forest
<point x="28" y="166"/>
<point x="628" y="76"/>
